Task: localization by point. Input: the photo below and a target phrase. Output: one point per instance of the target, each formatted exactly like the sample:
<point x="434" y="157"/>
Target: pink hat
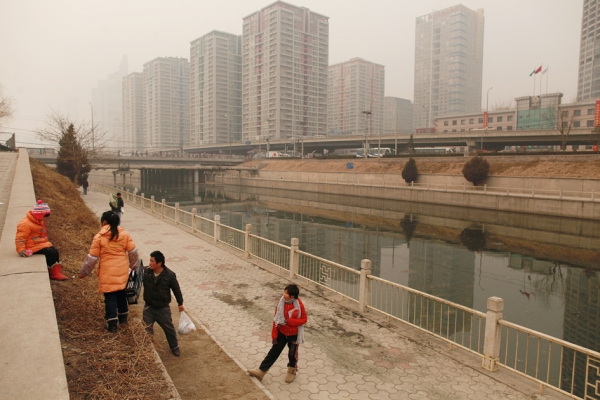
<point x="41" y="209"/>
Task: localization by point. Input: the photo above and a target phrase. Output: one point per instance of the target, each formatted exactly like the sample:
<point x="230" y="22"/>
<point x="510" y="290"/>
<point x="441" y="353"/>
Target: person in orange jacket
<point x="118" y="255"/>
<point x="32" y="238"/>
<point x="288" y="329"/>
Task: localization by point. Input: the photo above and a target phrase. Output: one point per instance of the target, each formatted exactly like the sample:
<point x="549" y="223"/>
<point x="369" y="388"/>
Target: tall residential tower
<point x="166" y="103"/>
<point x="353" y="87"/>
<point x="285" y="56"/>
<point x="216" y="88"/>
<point x="588" y="84"/>
<point x="133" y="112"/>
<point x="448" y="64"/>
<point x="397" y="115"/>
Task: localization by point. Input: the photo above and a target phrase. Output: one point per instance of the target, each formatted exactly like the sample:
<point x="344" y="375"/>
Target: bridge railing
<point x="551" y="362"/>
<point x="532" y="192"/>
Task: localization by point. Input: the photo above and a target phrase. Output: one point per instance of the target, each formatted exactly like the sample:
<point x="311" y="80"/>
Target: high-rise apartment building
<point x="588" y="84"/>
<point x="166" y="103"/>
<point x="284" y="64"/>
<point x="133" y="112"/>
<point x="108" y="107"/>
<point x="216" y="88"/>
<point x="397" y="115"/>
<point x="353" y="87"/>
<point x="448" y="64"/>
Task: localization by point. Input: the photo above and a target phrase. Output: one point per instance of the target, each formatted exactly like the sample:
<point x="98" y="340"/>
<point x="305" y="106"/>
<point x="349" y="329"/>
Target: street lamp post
<point x="487" y="112"/>
<point x="367" y="130"/>
<point x="93" y="144"/>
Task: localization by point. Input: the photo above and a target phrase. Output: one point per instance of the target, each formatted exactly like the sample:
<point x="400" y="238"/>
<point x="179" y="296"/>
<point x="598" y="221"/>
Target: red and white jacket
<point x="291" y="323"/>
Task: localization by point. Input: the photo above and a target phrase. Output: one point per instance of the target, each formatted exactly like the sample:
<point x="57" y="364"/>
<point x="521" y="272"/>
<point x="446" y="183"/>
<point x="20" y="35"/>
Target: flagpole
<point x="547" y="73"/>
<point x="541" y="77"/>
<point x="534" y="83"/>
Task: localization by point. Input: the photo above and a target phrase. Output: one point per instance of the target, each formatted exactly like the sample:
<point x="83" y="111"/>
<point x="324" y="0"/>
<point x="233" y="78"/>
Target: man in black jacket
<point x="158" y="282"/>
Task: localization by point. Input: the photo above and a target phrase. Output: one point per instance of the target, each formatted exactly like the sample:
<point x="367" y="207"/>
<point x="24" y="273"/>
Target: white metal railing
<point x="334" y="276"/>
<point x="459" y="325"/>
<point x="443" y="187"/>
<point x="553" y="363"/>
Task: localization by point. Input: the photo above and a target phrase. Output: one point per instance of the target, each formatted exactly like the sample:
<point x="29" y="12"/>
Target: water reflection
<point x="543" y="267"/>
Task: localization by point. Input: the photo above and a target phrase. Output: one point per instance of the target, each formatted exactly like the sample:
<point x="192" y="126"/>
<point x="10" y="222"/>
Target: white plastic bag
<point x="185" y="324"/>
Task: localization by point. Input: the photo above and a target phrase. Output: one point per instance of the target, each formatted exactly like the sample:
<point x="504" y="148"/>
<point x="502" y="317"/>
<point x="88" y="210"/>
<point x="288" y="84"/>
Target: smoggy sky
<point x="54" y="52"/>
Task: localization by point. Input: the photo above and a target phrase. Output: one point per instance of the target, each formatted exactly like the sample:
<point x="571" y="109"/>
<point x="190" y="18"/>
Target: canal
<point x="545" y="268"/>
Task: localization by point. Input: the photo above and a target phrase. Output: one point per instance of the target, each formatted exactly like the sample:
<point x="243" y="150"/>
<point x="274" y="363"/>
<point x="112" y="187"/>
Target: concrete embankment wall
<point x="30" y="350"/>
<point x="368" y="188"/>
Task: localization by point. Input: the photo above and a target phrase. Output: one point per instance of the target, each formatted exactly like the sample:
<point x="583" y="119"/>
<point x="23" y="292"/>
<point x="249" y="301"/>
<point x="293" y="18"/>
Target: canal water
<point x="545" y="268"/>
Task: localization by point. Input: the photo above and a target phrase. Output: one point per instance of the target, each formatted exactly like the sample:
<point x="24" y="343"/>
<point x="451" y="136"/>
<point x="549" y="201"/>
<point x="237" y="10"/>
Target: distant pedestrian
<point x="85" y="186"/>
<point x="288" y="329"/>
<point x="159" y="281"/>
<point x="116" y="204"/>
<point x="117" y="254"/>
<point x="32" y="238"/>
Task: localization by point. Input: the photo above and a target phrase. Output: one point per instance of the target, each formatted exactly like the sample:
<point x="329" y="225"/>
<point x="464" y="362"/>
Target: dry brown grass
<point x="98" y="364"/>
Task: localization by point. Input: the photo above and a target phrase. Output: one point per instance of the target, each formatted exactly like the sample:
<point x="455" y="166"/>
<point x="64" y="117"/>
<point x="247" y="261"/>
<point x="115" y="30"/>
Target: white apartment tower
<point x="397" y="115"/>
<point x="216" y="88"/>
<point x="353" y="87"/>
<point x="166" y="103"/>
<point x="284" y="64"/>
<point x="448" y="64"/>
<point x="133" y="112"/>
<point x="588" y="84"/>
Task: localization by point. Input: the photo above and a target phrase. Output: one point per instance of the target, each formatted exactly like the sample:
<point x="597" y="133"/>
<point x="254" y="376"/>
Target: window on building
<point x="509" y="128"/>
<point x="472" y="121"/>
<point x="463" y="130"/>
<point x="453" y="130"/>
<point x="577" y="113"/>
<point x="445" y="130"/>
<point x="498" y="128"/>
<point x="565" y="114"/>
<point x="509" y="118"/>
<point x="576" y="124"/>
<point x="454" y="122"/>
<point x="490" y="119"/>
<point x="480" y="120"/>
<point x="591" y="111"/>
<point x="565" y="124"/>
<point x="445" y="123"/>
<point x="463" y="121"/>
<point x="499" y="119"/>
<point x="590" y="123"/>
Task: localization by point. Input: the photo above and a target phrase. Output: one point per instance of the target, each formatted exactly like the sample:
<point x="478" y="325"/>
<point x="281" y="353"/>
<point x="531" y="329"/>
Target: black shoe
<point x="176" y="352"/>
<point x="123" y="318"/>
<point x="111" y="325"/>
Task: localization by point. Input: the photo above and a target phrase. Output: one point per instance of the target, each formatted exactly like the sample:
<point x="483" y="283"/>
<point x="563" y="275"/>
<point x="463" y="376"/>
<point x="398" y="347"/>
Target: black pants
<point x="276" y="350"/>
<point x="114" y="301"/>
<point x="51" y="255"/>
<point x="162" y="316"/>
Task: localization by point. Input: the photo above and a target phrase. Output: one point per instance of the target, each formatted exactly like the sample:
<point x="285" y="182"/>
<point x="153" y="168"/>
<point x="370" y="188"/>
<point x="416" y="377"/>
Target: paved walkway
<point x="8" y="163"/>
<point x="346" y="356"/>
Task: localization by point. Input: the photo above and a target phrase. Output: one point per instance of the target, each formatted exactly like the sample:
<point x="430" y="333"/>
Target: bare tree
<point x="90" y="138"/>
<point x="564" y="124"/>
<point x="6" y="106"/>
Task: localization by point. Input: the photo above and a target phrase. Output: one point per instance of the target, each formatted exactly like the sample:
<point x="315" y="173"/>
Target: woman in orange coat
<point x="32" y="238"/>
<point x="117" y="254"/>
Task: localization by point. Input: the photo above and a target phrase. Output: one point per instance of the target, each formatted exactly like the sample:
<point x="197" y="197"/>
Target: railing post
<point x="152" y="204"/>
<point x="485" y="188"/>
<point x="507" y="190"/>
<point x="142" y="201"/>
<point x="533" y="191"/>
<point x="247" y="243"/>
<point x="428" y="185"/>
<point x="493" y="333"/>
<point x="162" y="211"/>
<point x="412" y="184"/>
<point x="217" y="232"/>
<point x="294" y="257"/>
<point x="561" y="193"/>
<point x="176" y="211"/>
<point x="364" y="292"/>
<point x="193" y="224"/>
<point x="445" y="186"/>
<point x="592" y="195"/>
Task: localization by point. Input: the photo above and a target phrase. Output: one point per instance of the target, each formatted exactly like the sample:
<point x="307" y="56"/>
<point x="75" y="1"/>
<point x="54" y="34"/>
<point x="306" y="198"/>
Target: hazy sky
<point x="59" y="49"/>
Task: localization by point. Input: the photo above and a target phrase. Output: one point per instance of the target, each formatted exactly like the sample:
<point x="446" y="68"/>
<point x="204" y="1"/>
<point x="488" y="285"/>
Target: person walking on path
<point x="116" y="205"/>
<point x="32" y="238"/>
<point x="288" y="329"/>
<point x="117" y="254"/>
<point x="158" y="282"/>
<point x="85" y="186"/>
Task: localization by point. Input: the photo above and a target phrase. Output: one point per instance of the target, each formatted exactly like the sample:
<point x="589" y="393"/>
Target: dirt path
<point x="204" y="370"/>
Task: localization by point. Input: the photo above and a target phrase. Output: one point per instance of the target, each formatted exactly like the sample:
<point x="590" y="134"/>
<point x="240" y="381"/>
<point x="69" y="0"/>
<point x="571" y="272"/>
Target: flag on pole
<point x="545" y="70"/>
<point x="536" y="70"/>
